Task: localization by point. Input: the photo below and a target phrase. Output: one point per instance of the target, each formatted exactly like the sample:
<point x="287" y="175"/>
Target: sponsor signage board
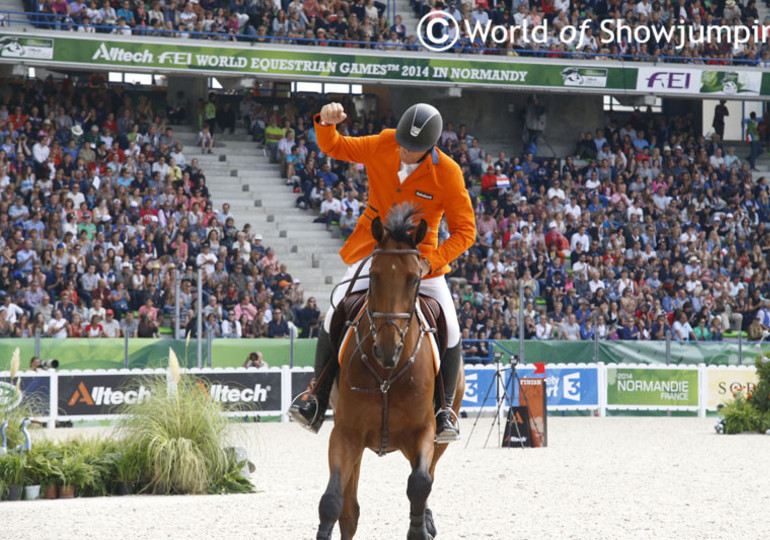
<point x="517" y="433"/>
<point x="308" y="63"/>
<point x="640" y="387"/>
<point x="480" y="388"/>
<point x="566" y="387"/>
<point x="723" y="383"/>
<point x="102" y="394"/>
<point x="532" y="396"/>
<point x="251" y="391"/>
<point x="572" y="387"/>
<point x="34" y="393"/>
<point x="665" y="79"/>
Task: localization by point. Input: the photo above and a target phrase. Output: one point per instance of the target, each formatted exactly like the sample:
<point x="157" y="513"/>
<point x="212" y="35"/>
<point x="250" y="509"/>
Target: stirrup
<point x="295" y="413"/>
<point x="447" y="435"/>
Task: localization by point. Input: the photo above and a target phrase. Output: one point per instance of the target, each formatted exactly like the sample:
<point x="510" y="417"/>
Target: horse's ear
<point x="377" y="230"/>
<point x="419" y="234"/>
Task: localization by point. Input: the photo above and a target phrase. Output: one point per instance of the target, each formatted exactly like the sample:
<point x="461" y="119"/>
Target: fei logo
<point x="669" y="80"/>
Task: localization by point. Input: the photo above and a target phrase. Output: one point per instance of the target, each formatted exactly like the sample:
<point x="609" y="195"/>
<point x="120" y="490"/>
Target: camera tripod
<point x="501" y="398"/>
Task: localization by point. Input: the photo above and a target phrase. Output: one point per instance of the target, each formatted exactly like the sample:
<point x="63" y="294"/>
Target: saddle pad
<point x="431" y="337"/>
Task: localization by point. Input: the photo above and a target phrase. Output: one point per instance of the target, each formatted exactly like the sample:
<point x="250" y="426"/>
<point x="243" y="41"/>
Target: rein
<point x="384" y="384"/>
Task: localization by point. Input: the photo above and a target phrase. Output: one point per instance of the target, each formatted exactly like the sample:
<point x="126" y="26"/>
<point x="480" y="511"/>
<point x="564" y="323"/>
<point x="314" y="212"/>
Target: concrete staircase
<point x="238" y="173"/>
<point x="763" y="162"/>
<point x="403" y="8"/>
<point x="762" y="10"/>
<point x="14" y="6"/>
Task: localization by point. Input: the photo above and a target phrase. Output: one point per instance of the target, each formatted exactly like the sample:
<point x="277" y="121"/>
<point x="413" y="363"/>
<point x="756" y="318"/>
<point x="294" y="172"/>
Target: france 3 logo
<point x="567" y="386"/>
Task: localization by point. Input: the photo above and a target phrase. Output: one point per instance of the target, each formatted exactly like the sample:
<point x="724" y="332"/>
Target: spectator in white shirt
<point x="41" y="150"/>
<point x="682" y="329"/>
<point x="206" y="259"/>
<point x="57" y="327"/>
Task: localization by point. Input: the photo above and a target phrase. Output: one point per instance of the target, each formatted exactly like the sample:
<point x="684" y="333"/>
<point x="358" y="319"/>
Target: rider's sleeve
<point x="353" y="149"/>
<point x="460" y="218"/>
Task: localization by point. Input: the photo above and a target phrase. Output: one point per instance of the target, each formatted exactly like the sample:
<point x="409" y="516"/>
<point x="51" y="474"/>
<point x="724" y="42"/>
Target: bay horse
<point x="383" y="398"/>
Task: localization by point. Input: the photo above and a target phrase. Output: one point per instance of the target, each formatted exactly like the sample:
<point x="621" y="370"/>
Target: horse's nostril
<point x="377" y="352"/>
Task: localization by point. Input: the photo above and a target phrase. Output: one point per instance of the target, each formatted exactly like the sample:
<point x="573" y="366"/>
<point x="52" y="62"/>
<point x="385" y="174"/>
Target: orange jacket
<point x="436" y="187"/>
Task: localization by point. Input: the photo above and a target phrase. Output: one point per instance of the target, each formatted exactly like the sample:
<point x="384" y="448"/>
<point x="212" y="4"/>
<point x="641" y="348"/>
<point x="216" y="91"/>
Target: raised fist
<point x="333" y="113"/>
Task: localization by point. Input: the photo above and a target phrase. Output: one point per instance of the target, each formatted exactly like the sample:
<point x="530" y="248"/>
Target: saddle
<point x="352" y="305"/>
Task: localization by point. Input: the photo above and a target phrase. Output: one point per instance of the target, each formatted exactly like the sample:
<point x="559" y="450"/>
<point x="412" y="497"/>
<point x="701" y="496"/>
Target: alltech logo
<point x="98" y="396"/>
<point x="225" y="393"/>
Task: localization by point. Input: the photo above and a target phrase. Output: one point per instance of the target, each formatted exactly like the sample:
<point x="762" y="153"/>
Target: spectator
<point x="278" y="327"/>
<point x="255" y="360"/>
<point x="57" y="327"/>
<point x="206" y="139"/>
<point x="94" y="329"/>
<point x="128" y="326"/>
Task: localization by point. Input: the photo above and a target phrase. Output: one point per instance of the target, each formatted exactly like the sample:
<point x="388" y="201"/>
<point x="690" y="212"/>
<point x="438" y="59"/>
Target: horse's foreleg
<point x="342" y="456"/>
<point x="439" y="449"/>
<point x="350" y="508"/>
<point x="419" y="486"/>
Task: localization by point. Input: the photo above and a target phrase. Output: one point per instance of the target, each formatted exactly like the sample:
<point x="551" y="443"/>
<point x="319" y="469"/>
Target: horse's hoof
<point x="419" y="535"/>
<point x="430" y="525"/>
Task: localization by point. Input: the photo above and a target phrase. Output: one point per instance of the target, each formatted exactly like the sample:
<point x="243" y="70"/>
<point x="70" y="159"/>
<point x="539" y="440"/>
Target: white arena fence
<point x="97" y="394"/>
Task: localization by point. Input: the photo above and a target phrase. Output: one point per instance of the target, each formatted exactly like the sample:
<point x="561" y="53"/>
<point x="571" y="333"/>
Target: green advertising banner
<point x="152" y="353"/>
<point x="650" y="387"/>
<point x="298" y="63"/>
<point x="654" y="352"/>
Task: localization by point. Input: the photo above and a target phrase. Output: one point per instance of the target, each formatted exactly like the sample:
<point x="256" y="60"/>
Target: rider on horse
<point x="403" y="166"/>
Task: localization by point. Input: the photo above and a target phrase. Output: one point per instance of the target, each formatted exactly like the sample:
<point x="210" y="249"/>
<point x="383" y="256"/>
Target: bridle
<point x="390" y="318"/>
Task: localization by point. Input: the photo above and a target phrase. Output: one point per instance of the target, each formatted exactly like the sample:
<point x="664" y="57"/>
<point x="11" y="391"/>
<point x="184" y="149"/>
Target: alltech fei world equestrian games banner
<point x="136" y="53"/>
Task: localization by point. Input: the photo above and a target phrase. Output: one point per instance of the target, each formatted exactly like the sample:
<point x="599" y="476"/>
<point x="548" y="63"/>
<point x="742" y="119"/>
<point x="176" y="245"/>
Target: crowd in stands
<point x="646" y="228"/>
<point x="103" y="210"/>
<point x="364" y="24"/>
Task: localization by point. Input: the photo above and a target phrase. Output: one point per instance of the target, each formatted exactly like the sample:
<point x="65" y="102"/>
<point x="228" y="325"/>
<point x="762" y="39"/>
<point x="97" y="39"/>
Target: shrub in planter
<point x="42" y="464"/>
<point x="12" y="469"/>
<point x="12" y="475"/>
<point x="35" y="469"/>
<point x="98" y="455"/>
<point x="750" y="411"/>
<point x="129" y="466"/>
<point x="73" y="475"/>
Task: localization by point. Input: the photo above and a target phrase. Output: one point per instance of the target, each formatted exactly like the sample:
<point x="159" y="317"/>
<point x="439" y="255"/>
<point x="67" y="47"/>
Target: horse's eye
<point x="414" y="281"/>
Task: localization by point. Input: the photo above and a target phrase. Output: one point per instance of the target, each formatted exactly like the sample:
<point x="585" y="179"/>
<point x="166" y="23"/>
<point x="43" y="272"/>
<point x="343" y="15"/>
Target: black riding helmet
<point x="419" y="128"/>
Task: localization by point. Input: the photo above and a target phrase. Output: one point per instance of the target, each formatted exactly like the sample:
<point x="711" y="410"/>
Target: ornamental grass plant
<point x="181" y="435"/>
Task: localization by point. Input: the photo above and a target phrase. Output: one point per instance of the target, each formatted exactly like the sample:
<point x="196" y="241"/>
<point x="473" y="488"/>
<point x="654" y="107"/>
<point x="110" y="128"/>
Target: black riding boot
<point x="447" y="429"/>
<point x="310" y="414"/>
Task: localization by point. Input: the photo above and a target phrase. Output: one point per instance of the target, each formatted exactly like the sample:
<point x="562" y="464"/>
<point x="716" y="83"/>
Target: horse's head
<point x="394" y="279"/>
